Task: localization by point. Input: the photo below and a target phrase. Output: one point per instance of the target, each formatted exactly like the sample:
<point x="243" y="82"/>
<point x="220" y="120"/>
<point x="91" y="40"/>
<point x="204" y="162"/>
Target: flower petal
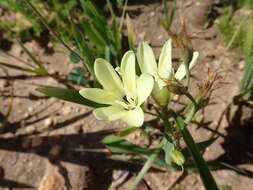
<point x="99" y="95"/>
<point x="108" y="77"/>
<point x="145" y="85"/>
<point x="146" y="59"/>
<point x="128" y="74"/>
<point x="180" y="74"/>
<point x="109" y="113"/>
<point x="165" y="61"/>
<point x="134" y="117"/>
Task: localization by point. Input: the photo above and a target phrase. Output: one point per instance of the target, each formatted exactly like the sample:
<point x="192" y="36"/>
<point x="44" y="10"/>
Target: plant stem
<point x="193" y="110"/>
<point x="145" y="168"/>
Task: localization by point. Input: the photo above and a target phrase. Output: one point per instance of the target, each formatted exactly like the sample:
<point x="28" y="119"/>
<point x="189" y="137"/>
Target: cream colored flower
<point x="123" y="93"/>
<point x="163" y="70"/>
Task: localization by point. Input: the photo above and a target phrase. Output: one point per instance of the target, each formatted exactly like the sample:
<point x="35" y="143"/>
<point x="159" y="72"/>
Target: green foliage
<point x="78" y="76"/>
<point x="36" y="66"/>
<point x="245" y="4"/>
<point x="168" y="14"/>
<point x="237" y="29"/>
<point x="20" y="26"/>
<point x="91" y="34"/>
<point x="246" y="85"/>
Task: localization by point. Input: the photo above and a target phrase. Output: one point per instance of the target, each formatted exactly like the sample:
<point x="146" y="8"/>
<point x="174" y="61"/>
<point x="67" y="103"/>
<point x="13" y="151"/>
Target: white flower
<point x="163" y="71"/>
<point x="123" y="95"/>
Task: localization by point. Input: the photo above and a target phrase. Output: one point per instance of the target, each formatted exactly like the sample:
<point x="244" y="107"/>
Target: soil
<point x="50" y="144"/>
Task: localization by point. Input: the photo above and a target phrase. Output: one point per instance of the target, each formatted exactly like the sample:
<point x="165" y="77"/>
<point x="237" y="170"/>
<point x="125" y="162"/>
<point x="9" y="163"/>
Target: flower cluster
<point x="124" y="92"/>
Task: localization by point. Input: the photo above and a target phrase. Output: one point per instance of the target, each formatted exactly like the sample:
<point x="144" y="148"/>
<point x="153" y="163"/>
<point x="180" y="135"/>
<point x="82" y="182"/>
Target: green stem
<point x="193" y="110"/>
<point x="150" y="113"/>
<point x="145" y="168"/>
<point x="167" y="126"/>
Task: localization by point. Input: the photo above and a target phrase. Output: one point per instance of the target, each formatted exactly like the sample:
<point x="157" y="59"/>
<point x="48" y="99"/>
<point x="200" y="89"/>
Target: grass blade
<point x="37" y="62"/>
<point x="17" y="67"/>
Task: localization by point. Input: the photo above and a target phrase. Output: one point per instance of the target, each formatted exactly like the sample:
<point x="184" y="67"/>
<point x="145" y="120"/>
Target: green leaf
<point x="17" y="67"/>
<point x="145" y="168"/>
<point x="167" y="147"/>
<point x="93" y="35"/>
<point x="118" y="144"/>
<point x="69" y="95"/>
<point x="201" y="146"/>
<point x="127" y="131"/>
<point x="37" y="62"/>
<point x="80" y="71"/>
<point x="227" y="166"/>
<point x="74" y="59"/>
<point x="75" y="78"/>
<point x="247" y="80"/>
<point x="78" y="77"/>
<point x="84" y="48"/>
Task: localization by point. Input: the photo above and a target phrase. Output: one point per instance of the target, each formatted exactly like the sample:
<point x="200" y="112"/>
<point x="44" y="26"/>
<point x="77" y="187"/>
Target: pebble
<point x="48" y="122"/>
<point x="30" y="129"/>
<point x="30" y="109"/>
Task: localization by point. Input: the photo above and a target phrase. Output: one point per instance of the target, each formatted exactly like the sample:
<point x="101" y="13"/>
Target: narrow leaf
<point x="201" y="146"/>
<point x="144" y="169"/>
<point x="118" y="144"/>
<point x="37" y="62"/>
<point x="68" y="95"/>
<point x="128" y="131"/>
<point x="17" y="67"/>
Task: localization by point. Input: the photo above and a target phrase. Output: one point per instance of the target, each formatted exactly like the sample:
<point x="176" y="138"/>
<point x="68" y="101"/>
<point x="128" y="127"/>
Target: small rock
<point x="152" y="13"/>
<point x="30" y="130"/>
<point x="26" y="115"/>
<point x="48" y="122"/>
<point x="30" y="109"/>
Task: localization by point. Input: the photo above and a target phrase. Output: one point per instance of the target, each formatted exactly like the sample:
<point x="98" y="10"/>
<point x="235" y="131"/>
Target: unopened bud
<point x="161" y="96"/>
<point x="177" y="157"/>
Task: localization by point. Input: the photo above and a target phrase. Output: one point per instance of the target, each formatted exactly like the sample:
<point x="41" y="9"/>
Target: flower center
<point x="128" y="103"/>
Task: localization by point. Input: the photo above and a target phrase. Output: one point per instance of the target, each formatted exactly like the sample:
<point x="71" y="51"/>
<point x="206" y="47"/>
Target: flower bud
<point x="177" y="157"/>
<point x="161" y="96"/>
